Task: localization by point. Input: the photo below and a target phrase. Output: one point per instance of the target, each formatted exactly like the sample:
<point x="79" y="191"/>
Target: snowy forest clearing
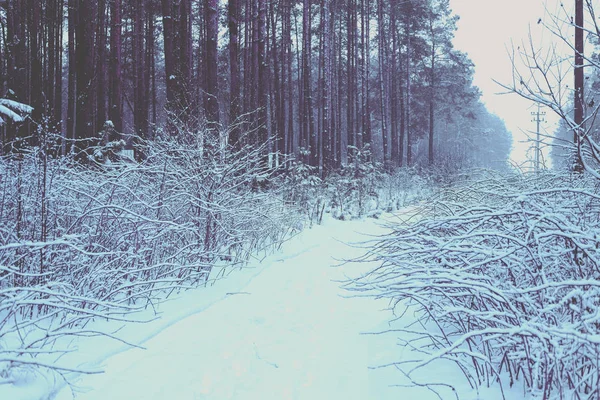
<point x="287" y="334"/>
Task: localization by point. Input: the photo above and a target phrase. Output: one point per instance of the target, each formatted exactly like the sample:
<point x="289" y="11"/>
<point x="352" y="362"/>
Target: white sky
<point x="485" y="31"/>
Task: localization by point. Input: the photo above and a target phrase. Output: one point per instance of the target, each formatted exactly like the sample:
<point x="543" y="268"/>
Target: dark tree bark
<point x="150" y="71"/>
<point x="408" y="97"/>
<point x="351" y="74"/>
<point x="35" y="94"/>
<point x="211" y="101"/>
<point x="72" y="80"/>
<point x="308" y="139"/>
<point x="140" y="114"/>
<point x="16" y="40"/>
<point x="84" y="57"/>
<point x="115" y="98"/>
<point x="396" y="155"/>
<point x="382" y="76"/>
<point x="169" y="21"/>
<point x="432" y="94"/>
<point x="234" y="73"/>
<point x="365" y="64"/>
<point x="57" y="65"/>
<point x="262" y="72"/>
<point x="289" y="86"/>
<point x="100" y="46"/>
<point x="276" y="93"/>
<point x="578" y="100"/>
<point x="326" y="133"/>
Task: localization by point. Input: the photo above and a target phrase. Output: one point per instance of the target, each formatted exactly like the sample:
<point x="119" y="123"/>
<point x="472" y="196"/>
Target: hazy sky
<point x="485" y="31"/>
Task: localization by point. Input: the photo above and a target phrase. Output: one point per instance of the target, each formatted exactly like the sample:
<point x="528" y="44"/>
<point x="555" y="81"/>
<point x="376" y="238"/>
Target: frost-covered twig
<point x="503" y="280"/>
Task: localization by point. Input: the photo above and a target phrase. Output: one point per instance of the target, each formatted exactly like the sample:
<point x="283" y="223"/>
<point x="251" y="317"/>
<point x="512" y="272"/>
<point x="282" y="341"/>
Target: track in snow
<point x="288" y="334"/>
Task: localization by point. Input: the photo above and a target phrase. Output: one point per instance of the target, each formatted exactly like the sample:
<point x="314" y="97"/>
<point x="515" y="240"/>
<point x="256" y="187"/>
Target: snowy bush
<point x="502" y="276"/>
<point x="305" y="190"/>
<point x="361" y="189"/>
<point x="79" y="243"/>
<point x="404" y="187"/>
<point x="355" y="188"/>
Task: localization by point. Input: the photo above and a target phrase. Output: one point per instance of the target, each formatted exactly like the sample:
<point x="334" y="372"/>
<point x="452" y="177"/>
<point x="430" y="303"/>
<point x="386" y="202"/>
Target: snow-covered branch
<point x="503" y="280"/>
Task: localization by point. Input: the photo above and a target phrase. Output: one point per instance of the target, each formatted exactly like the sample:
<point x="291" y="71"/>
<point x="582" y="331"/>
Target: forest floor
<point x="281" y="330"/>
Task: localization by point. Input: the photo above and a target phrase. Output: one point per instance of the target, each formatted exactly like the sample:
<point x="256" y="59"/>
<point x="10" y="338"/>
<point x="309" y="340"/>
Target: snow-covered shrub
<point x="82" y="242"/>
<point x="361" y="188"/>
<point x="503" y="278"/>
<point x="354" y="188"/>
<point x="305" y="190"/>
<point x="404" y="187"/>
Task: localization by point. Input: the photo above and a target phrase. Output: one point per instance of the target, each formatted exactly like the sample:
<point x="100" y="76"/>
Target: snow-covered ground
<point x="281" y="330"/>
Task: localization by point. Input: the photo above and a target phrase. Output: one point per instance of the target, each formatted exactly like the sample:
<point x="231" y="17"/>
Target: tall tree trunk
<point x="365" y="69"/>
<point x="211" y="101"/>
<point x="101" y="66"/>
<point x="408" y="98"/>
<point x="234" y="73"/>
<point x="58" y="72"/>
<point x="72" y="81"/>
<point x="292" y="148"/>
<point x="382" y="77"/>
<point x="277" y="93"/>
<point x="326" y="95"/>
<point x="84" y="56"/>
<point x="396" y="156"/>
<point x="308" y="141"/>
<point x="579" y="80"/>
<point x="115" y="100"/>
<point x="140" y="115"/>
<point x="351" y="74"/>
<point x="149" y="72"/>
<point x="262" y="72"/>
<point x="187" y="101"/>
<point x="171" y="57"/>
<point x="36" y="96"/>
<point x="17" y="59"/>
<point x="431" y="104"/>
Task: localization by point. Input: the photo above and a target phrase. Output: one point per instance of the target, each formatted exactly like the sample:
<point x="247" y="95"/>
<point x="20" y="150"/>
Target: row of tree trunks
<point x="301" y="75"/>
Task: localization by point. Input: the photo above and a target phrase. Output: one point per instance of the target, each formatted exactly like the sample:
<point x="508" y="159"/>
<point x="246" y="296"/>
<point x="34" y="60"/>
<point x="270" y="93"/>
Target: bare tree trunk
<point x="84" y="55"/>
<point x="308" y="136"/>
<point x="149" y="73"/>
<point x="211" y="101"/>
<point x="366" y="51"/>
<point x="262" y="73"/>
<point x="277" y="92"/>
<point x="432" y="104"/>
<point x="396" y="155"/>
<point x="579" y="79"/>
<point x="101" y="65"/>
<point x="351" y="74"/>
<point x="408" y="99"/>
<point x="234" y="73"/>
<point x="140" y="115"/>
<point x="292" y="143"/>
<point x="170" y="60"/>
<point x="115" y="101"/>
<point x="382" y="78"/>
<point x="326" y="94"/>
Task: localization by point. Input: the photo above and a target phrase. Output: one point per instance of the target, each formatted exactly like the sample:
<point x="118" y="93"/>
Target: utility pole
<point x="538" y="117"/>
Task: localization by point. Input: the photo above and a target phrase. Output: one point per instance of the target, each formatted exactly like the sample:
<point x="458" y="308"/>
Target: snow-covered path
<point x="288" y="334"/>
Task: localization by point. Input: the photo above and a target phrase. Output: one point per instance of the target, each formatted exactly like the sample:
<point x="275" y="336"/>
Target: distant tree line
<point x="318" y="79"/>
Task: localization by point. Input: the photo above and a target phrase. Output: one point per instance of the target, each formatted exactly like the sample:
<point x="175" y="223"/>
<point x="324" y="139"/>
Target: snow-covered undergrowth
<point x="503" y="277"/>
<point x="361" y="189"/>
<point x="79" y="244"/>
